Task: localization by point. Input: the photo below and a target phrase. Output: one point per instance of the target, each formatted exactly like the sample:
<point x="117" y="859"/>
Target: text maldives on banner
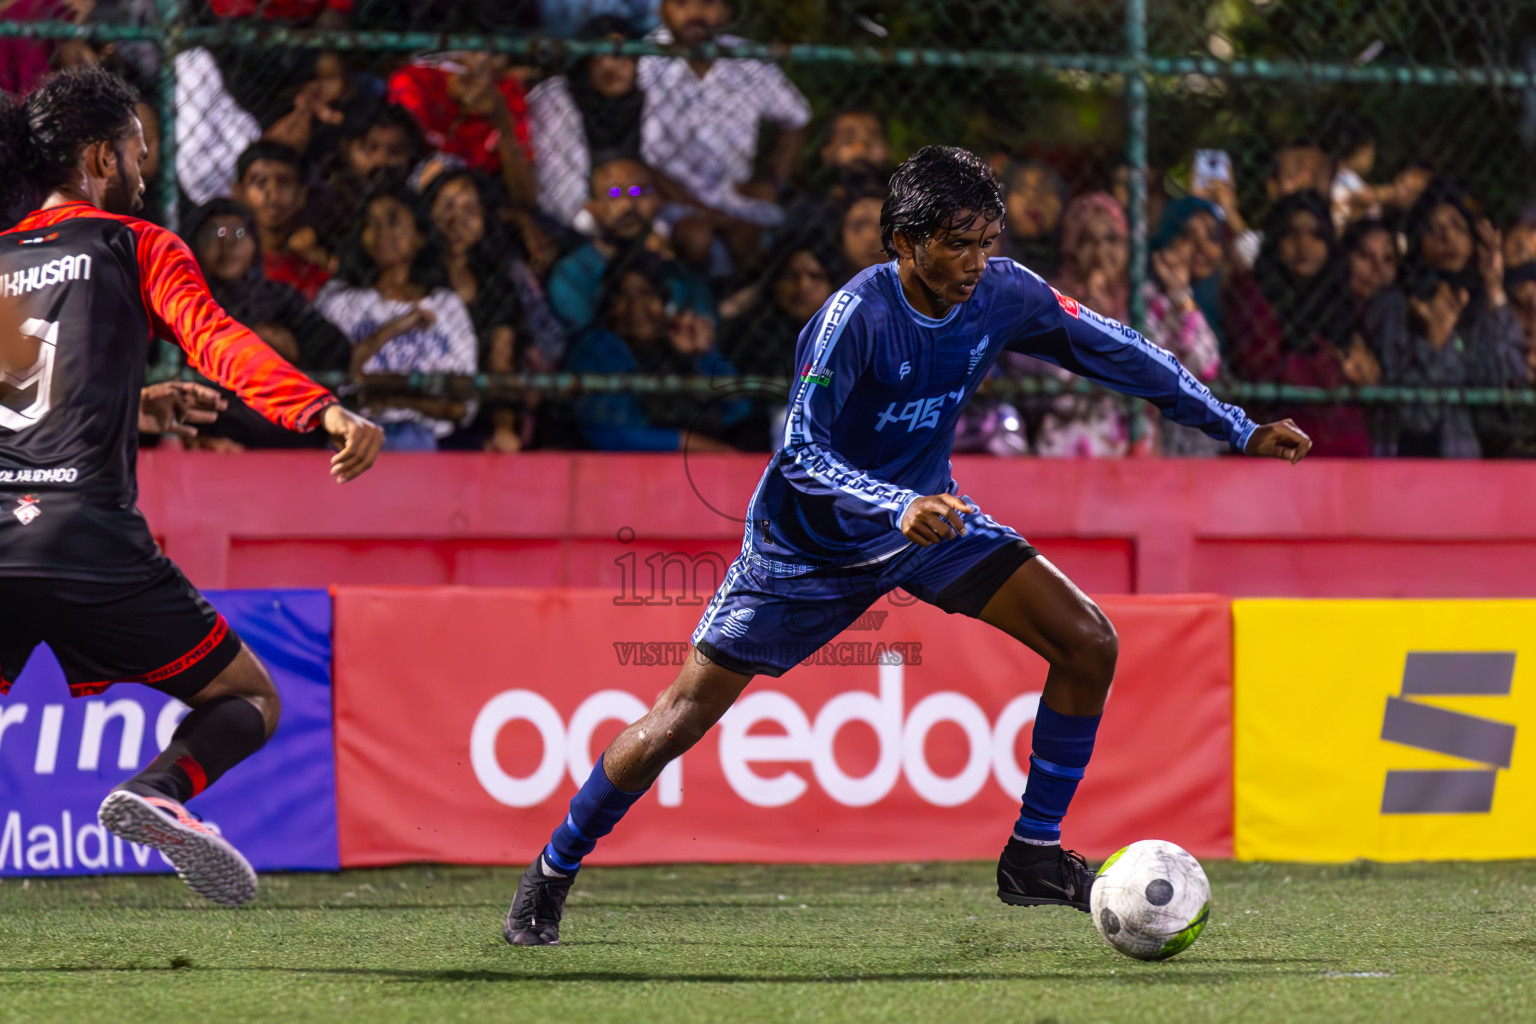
<point x="466" y="718"/>
<point x="59" y="757"/>
<point x="1391" y="730"/>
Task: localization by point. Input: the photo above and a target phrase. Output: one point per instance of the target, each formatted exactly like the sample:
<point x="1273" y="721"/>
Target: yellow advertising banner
<point x="1389" y="730"/>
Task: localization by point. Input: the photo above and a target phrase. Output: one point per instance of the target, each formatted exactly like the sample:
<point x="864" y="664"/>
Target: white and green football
<point x="1150" y="900"/>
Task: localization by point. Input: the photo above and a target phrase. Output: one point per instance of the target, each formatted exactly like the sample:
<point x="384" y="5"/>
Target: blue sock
<point x="595" y="809"/>
<point x="1062" y="746"/>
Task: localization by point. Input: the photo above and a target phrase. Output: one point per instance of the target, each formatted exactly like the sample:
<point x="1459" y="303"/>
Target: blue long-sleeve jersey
<point x="880" y="386"/>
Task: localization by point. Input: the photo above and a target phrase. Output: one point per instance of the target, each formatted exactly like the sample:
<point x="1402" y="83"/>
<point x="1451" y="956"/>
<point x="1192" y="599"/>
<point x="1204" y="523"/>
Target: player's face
<point x="225" y="248"/>
<point x="458" y="215"/>
<point x="952" y="262"/>
<point x="1303" y="248"/>
<point x="389" y="233"/>
<point x="125" y="187"/>
<point x="802" y="287"/>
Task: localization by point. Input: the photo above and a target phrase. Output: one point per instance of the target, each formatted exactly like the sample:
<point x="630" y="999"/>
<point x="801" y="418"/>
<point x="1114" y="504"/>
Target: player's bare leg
<point x="701" y="693"/>
<point x="231" y="718"/>
<point x="1042" y="609"/>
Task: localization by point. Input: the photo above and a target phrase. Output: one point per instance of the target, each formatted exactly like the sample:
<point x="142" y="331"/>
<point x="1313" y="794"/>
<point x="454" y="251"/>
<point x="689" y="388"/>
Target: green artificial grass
<point x="901" y="942"/>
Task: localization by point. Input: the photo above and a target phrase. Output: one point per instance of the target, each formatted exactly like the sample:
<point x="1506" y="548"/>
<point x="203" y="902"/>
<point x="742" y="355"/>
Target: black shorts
<point x="161" y="633"/>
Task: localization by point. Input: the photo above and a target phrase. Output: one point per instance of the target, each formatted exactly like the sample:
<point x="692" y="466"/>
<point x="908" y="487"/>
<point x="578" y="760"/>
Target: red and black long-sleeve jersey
<point x="93" y="289"/>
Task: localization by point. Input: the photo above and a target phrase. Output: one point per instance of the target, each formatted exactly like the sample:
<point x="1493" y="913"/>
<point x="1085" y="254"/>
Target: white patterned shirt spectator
<point x="702" y="132"/>
<point x="448" y="345"/>
<point x="212" y="130"/>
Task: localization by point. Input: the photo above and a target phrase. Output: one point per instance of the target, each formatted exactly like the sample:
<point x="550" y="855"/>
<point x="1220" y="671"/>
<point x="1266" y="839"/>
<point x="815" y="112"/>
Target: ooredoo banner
<point x="1391" y="730"/>
<point x="59" y="757"/>
<point x="466" y="718"/>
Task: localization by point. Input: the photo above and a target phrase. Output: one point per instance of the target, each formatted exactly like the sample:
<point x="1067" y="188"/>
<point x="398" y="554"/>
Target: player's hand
<point x="174" y="407"/>
<point x="358" y="438"/>
<point x="1283" y="440"/>
<point x="934" y="518"/>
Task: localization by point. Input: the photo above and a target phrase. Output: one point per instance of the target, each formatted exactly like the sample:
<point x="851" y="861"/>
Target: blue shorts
<point x="761" y="624"/>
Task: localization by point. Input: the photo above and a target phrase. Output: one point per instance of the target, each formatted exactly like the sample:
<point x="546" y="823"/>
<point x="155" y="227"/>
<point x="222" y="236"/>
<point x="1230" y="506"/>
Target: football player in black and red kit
<point x="87" y="286"/>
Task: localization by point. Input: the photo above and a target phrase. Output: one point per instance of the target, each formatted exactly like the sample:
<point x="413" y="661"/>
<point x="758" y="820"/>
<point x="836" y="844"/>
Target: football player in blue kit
<point x="858" y="500"/>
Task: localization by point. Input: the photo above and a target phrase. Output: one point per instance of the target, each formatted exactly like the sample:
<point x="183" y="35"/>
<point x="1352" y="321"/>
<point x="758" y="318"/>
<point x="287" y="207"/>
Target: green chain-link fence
<point x="1066" y="96"/>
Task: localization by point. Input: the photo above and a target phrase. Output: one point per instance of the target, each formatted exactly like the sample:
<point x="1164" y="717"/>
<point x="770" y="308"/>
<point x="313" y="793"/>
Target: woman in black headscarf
<point x="1303" y="328"/>
<point x="595" y="108"/>
<point x="1449" y="324"/>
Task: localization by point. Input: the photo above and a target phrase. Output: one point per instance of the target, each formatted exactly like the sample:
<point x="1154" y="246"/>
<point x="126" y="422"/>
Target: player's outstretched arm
<point x="1282" y="440"/>
<point x="229" y="353"/>
<point x="177" y="406"/>
<point x="358" y="438"/>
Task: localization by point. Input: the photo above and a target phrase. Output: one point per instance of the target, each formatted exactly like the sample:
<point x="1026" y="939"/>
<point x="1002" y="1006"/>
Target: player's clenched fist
<point x="934" y="518"/>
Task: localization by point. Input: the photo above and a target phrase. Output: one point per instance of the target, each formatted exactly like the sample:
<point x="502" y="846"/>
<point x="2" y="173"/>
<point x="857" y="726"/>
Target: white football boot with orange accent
<point x="204" y="860"/>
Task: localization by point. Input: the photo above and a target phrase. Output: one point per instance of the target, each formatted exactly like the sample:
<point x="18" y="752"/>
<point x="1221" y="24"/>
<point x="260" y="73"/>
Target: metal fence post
<point x="167" y="13"/>
<point x="1136" y="159"/>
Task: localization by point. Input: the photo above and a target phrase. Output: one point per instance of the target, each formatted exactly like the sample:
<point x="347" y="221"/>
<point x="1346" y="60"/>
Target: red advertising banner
<point x="466" y="718"/>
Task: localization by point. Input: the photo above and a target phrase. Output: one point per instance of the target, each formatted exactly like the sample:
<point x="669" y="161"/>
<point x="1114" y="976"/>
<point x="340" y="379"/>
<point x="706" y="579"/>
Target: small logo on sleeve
<point x="811" y="376"/>
<point x="52" y="236"/>
<point x="1069" y="304"/>
<point x="27" y="509"/>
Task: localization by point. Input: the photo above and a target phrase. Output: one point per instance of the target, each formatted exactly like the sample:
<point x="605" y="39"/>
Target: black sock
<point x="209" y="742"/>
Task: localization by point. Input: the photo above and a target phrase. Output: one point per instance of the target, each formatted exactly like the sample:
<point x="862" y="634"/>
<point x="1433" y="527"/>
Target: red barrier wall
<point x="466" y="716"/>
<point x="1235" y="526"/>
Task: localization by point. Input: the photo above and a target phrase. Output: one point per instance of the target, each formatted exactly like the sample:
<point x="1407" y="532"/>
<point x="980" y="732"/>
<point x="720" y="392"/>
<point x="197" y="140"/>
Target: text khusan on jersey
<point x="65" y="268"/>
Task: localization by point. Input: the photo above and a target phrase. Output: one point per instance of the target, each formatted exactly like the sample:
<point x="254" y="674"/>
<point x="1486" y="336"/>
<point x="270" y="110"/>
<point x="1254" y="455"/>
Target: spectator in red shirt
<point x="470" y="106"/>
<point x="268" y="181"/>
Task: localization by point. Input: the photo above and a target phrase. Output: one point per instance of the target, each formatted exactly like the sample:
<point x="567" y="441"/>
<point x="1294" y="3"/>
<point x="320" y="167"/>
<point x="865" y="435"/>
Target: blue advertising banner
<point x="59" y="757"/>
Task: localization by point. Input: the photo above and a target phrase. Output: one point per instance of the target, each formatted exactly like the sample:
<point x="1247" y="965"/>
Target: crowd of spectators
<point x="461" y="213"/>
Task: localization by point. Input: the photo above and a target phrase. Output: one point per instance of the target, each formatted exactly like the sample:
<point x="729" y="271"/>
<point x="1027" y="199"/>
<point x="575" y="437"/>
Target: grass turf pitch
<point x="903" y="942"/>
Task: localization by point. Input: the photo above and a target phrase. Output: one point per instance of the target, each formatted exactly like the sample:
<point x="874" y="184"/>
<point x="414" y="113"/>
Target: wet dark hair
<point x="357" y="268"/>
<point x="43" y="133"/>
<point x="932" y="189"/>
<point x="276" y="152"/>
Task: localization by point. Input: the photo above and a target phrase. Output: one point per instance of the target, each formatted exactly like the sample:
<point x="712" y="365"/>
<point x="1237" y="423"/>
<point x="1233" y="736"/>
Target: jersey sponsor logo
<point x="39" y="240"/>
<point x="920" y="413"/>
<point x="1068" y="303"/>
<point x="27" y="509"/>
<point x="45" y="275"/>
<point x="906" y="368"/>
<point x="811" y="376"/>
<point x="62" y="475"/>
<point x="26" y="397"/>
